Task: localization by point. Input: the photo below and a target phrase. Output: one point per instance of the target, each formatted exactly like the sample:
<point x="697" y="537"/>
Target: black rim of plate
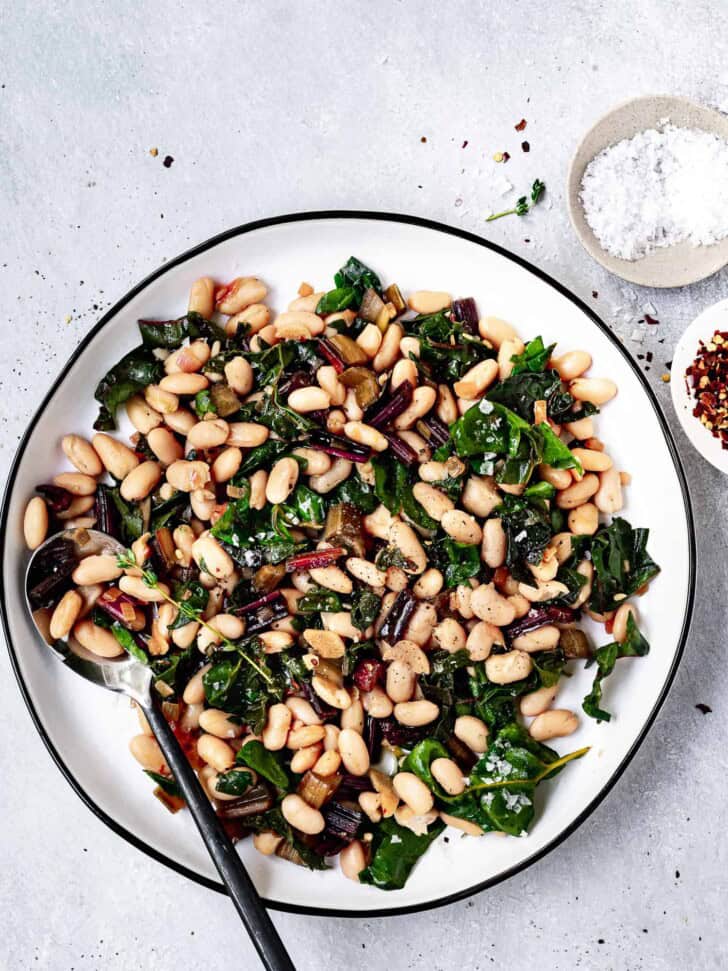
<point x="469" y="237"/>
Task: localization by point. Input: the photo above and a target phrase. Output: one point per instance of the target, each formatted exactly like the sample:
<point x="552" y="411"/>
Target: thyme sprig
<point x="522" y="206"/>
<point x="127" y="561"/>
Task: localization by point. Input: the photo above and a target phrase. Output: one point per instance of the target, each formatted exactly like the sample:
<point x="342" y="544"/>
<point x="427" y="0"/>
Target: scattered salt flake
<point x="649" y="308"/>
<point x="649" y="192"/>
<point x="638" y="336"/>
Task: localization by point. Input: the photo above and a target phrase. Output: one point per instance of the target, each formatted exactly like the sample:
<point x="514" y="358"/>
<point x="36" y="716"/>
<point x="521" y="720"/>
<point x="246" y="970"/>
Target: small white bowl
<point x="702" y="329"/>
<point x="673" y="266"/>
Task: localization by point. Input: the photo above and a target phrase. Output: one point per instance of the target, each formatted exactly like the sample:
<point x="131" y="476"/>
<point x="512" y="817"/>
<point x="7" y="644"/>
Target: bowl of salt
<point x="648" y="191"/>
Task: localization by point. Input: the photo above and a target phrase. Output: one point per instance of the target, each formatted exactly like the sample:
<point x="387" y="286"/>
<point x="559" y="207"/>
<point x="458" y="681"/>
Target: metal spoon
<point x="134" y="679"/>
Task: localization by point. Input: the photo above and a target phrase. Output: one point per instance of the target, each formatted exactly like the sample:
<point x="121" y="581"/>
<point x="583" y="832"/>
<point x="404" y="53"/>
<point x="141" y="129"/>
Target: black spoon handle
<point x="229" y="865"/>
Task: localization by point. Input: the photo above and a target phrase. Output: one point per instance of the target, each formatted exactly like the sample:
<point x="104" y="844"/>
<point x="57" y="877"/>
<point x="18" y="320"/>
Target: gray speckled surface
<point x="270" y="108"/>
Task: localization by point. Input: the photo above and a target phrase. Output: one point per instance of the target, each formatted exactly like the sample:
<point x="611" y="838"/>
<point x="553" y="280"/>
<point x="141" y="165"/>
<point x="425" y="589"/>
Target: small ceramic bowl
<point x="673" y="266"/>
<point x="701" y="329"/>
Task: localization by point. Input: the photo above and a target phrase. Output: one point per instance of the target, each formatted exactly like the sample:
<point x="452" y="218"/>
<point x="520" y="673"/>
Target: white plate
<point x="673" y="266"/>
<point x="87" y="730"/>
<point x="702" y="329"/>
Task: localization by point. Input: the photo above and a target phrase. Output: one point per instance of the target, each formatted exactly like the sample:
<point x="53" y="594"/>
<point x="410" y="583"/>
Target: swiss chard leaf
<point x="443" y="685"/>
<point x="365" y="605"/>
<point x="304" y="508"/>
<point x="131" y="374"/>
<point x="495" y="703"/>
<point x="260" y="457"/>
<point x="235" y="686"/>
<point x="265" y="763"/>
<point x="534" y="358"/>
<point x="234" y="782"/>
<point x="318" y="599"/>
<point x="254" y="536"/>
<point x="393" y="482"/>
<point x="175" y="670"/>
<point x="499" y="437"/>
<point x="505" y="776"/>
<point x="527" y="526"/>
<point x="131" y="520"/>
<point x="521" y="390"/>
<point x="357" y="492"/>
<point x="621" y="562"/>
<point x="168" y="510"/>
<point x="171" y="334"/>
<point x="456" y="561"/>
<point x="396" y="849"/>
<point x="447" y="351"/>
<point x="340" y="298"/>
<point x="128" y="642"/>
<point x="635" y="645"/>
<point x="357" y="276"/>
<point x="553" y="450"/>
<point x="419" y="761"/>
<point x="193" y="599"/>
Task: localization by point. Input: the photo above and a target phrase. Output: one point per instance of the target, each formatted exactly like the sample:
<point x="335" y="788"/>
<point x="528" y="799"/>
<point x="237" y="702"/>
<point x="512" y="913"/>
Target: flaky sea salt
<point x="661" y="187"/>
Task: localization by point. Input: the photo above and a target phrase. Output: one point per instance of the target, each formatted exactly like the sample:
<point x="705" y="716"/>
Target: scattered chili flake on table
<point x="709" y="374"/>
<point x="706" y="709"/>
<point x="423" y="139"/>
<point x="501" y="157"/>
<point x="649" y="319"/>
<point x="521" y="125"/>
<point x="465" y="143"/>
<point x="525" y="146"/>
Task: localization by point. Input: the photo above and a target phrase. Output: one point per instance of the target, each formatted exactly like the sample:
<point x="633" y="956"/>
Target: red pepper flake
<point x="706" y="709"/>
<point x="609" y="625"/>
<point x="423" y="139"/>
<point x="525" y="146"/>
<point x="649" y="319"/>
<point x="709" y="375"/>
<point x="521" y="125"/>
<point x="595" y="294"/>
<point x="465" y="143"/>
<point x="167" y="163"/>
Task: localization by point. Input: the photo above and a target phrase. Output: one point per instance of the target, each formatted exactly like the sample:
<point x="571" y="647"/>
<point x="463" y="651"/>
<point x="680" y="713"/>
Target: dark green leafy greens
<point x="134" y="372"/>
<point x="356" y="276"/>
<point x="635" y="645"/>
<point x="457" y="562"/>
<point x="238" y="688"/>
<point x="234" y="782"/>
<point x="534" y="357"/>
<point x="447" y="351"/>
<point x="265" y="763"/>
<point x="395" y="850"/>
<point x="365" y="606"/>
<point x="393" y="487"/>
<point x="621" y="562"/>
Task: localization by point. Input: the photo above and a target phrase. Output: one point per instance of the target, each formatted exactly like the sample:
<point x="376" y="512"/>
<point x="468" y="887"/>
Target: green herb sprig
<point x="523" y="205"/>
<point x="127" y="561"/>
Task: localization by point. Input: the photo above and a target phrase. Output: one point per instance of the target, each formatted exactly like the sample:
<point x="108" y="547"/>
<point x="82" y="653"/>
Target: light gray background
<point x="275" y="107"/>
